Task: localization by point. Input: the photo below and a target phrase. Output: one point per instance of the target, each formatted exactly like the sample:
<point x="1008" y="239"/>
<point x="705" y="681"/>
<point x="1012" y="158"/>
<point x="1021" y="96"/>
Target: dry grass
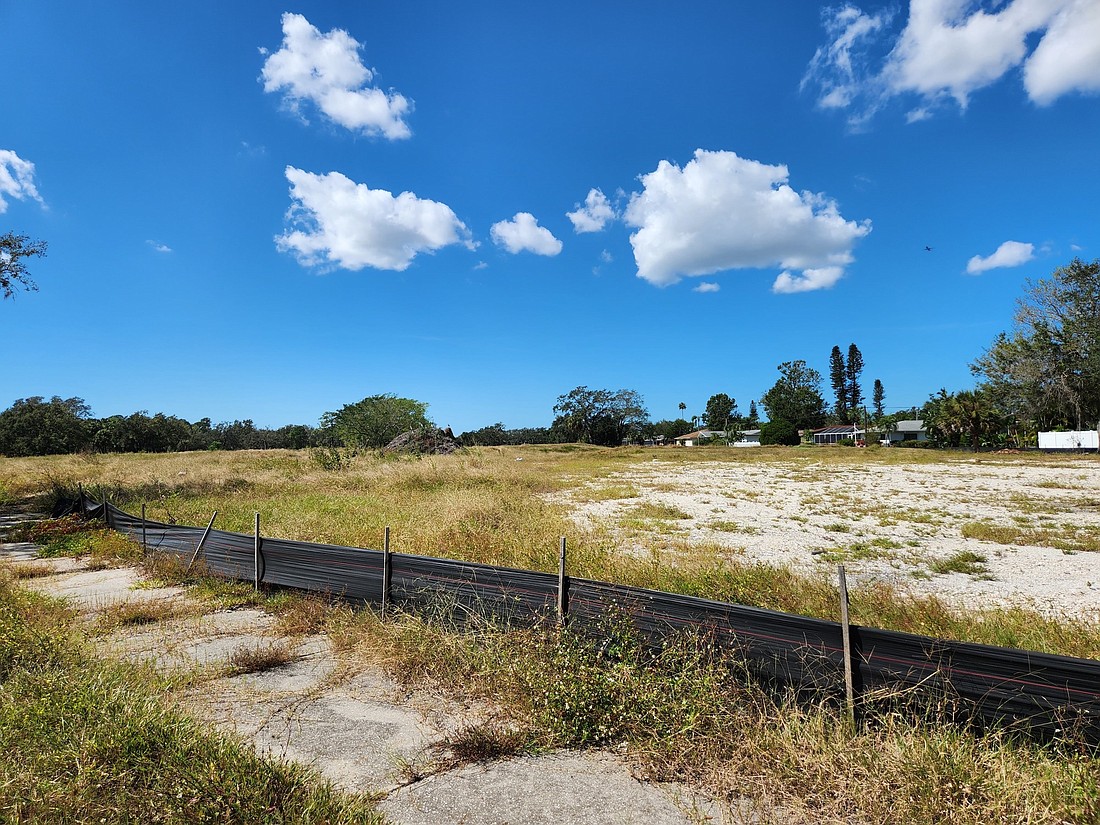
<point x="30" y="570"/>
<point x="261" y="656"/>
<point x="682" y="714"/>
<point x="141" y="612"/>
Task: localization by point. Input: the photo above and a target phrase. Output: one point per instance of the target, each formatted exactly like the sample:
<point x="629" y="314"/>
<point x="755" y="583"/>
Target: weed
<point x="31" y="570"/>
<point x="261" y="656"/>
<point x="1068" y="538"/>
<point x="838" y="527"/>
<point x="298" y="614"/>
<point x="614" y="492"/>
<point x="139" y="612"/>
<point x="484" y="743"/>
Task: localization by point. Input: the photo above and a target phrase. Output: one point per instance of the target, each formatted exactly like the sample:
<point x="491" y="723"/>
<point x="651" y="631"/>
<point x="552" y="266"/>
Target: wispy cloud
<point x="159" y="247"/>
<point x="950" y="49"/>
<point x="16" y="179"/>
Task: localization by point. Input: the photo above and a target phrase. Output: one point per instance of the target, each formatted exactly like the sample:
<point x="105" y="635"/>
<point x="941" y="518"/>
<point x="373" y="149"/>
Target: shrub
<point x="779" y="432"/>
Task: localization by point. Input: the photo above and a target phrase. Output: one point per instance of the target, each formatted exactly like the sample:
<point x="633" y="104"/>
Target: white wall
<point x="1081" y="440"/>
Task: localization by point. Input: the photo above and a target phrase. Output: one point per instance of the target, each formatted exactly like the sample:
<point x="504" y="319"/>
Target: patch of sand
<point x="886" y="522"/>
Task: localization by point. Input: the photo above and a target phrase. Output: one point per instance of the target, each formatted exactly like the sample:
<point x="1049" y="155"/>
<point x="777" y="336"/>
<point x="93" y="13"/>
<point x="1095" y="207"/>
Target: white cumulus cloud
<point x="16" y="179"/>
<point x="594" y="215"/>
<point x="336" y="221"/>
<point x="523" y="233"/>
<point x="950" y="49"/>
<point x="1068" y="58"/>
<point x="157" y="246"/>
<point x="325" y="69"/>
<point x="707" y="286"/>
<point x="722" y="211"/>
<point x="810" y="279"/>
<point x="1010" y="253"/>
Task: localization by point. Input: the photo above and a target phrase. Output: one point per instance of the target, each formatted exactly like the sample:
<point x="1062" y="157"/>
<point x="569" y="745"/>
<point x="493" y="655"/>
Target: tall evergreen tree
<point x="852" y="372"/>
<point x="838" y="378"/>
<point x="754" y="416"/>
<point x="878" y="396"/>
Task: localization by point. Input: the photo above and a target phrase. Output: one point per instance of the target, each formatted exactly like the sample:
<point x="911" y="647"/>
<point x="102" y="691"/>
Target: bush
<point x="779" y="432"/>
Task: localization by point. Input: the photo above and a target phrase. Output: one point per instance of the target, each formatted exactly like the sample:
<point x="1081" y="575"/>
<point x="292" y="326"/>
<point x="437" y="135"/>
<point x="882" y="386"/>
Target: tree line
<point x="1044" y="374"/>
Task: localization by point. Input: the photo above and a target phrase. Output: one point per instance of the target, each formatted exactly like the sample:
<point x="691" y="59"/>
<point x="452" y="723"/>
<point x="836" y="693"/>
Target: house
<point x="697" y="437"/>
<point x="749" y="438"/>
<point x="843" y="432"/>
<point x="910" y="430"/>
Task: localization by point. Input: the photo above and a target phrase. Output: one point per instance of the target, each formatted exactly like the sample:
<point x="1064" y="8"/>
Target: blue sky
<point x="264" y="211"/>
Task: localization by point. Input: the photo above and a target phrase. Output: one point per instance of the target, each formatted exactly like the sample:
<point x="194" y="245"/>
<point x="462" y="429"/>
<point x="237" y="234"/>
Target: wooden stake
<point x="144" y="543"/>
<point x="198" y="547"/>
<point x="255" y="554"/>
<point x="849" y="689"/>
<point x="387" y="569"/>
<point x="80" y="491"/>
<point x="563" y="596"/>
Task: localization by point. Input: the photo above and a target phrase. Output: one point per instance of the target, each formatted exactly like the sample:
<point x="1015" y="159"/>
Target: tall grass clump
<point x="83" y="740"/>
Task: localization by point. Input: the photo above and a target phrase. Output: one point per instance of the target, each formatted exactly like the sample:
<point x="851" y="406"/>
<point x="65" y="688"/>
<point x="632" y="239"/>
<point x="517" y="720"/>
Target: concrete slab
<point x="356" y="734"/>
<point x="92" y="591"/>
<point x="193" y="641"/>
<point x="557" y="789"/>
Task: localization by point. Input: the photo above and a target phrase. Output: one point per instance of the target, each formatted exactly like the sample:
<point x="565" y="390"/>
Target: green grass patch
<point x="1068" y="538"/>
<point x="965" y="561"/>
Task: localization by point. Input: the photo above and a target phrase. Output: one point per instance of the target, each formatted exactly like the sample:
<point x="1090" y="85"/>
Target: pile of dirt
<point x="426" y="441"/>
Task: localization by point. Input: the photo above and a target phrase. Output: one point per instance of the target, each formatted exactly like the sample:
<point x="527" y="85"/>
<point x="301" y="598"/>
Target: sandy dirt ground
<point x="899" y="523"/>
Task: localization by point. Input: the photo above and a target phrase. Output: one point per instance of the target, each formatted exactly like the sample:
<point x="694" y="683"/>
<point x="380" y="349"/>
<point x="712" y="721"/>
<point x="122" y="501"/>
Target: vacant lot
<point x="978" y="531"/>
<point x="762" y="527"/>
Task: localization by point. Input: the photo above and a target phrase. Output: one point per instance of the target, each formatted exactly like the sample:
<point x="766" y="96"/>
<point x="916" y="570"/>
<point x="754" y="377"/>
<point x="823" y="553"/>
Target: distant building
<point x="843" y="432"/>
<point x="749" y="438"/>
<point x="910" y="430"/>
<point x="695" y="438"/>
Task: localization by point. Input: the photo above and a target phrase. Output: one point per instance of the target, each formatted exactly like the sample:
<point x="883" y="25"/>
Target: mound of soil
<point x="427" y="441"/>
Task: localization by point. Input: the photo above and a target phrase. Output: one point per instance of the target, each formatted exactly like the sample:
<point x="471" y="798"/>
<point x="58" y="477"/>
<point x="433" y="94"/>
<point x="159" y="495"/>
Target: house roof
<point x="843" y="429"/>
<point x="699" y="434"/>
<point x="912" y="425"/>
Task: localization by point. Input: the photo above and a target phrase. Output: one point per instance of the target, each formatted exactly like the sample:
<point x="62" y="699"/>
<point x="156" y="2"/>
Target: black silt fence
<point x="1041" y="692"/>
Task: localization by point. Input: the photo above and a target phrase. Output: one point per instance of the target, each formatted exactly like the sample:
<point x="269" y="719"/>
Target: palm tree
<point x="683" y="407"/>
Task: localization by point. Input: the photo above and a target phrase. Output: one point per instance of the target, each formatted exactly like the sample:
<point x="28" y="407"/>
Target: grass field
<point x="680" y="716"/>
<point x="506" y="506"/>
